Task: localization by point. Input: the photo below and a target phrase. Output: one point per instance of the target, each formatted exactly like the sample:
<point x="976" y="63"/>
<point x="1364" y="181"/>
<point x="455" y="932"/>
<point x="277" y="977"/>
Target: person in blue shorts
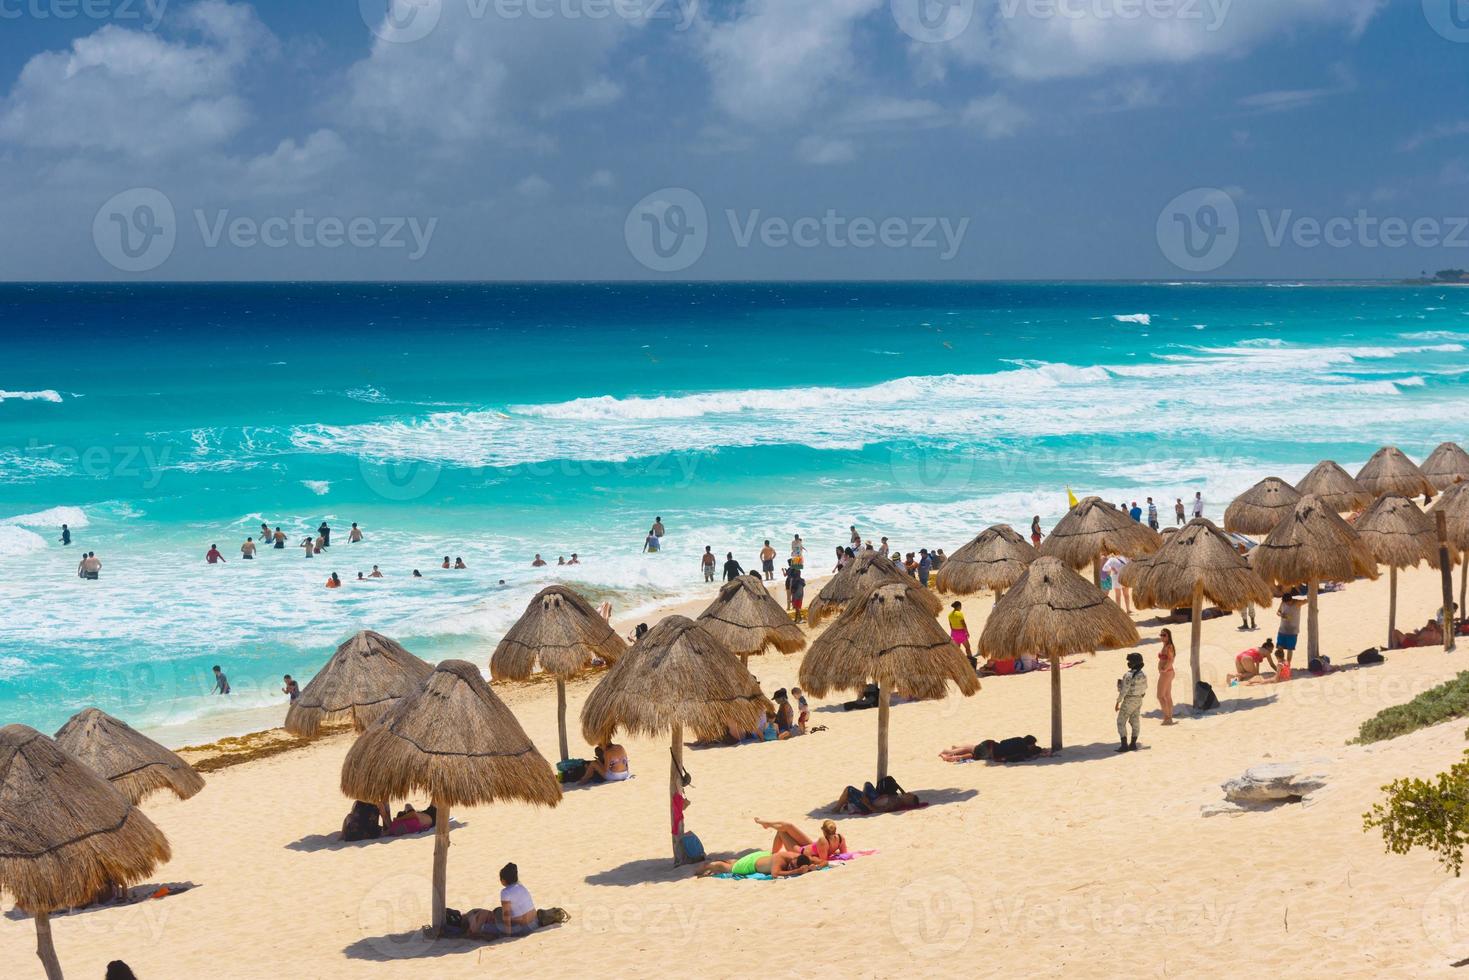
<point x="1290" y="626"/>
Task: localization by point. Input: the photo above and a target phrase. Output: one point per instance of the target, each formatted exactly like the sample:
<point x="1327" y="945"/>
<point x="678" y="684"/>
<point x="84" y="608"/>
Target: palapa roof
<point x="1398" y="533"/>
<point x="888" y="638"/>
<point x="678" y="673"/>
<point x="560" y="630"/>
<point x="1260" y="508"/>
<point x="993" y="560"/>
<point x="1453" y="503"/>
<point x="1051" y="612"/>
<point x="1199" y="554"/>
<point x="365" y="677"/>
<point x="1446" y="465"/>
<point x="746" y="620"/>
<point x="1335" y="487"/>
<point x="1313" y="544"/>
<point x="1390" y="471"/>
<point x="1094" y="528"/>
<point x="65" y="832"/>
<point x="129" y="760"/>
<point x="453" y="740"/>
<point x="856" y="579"/>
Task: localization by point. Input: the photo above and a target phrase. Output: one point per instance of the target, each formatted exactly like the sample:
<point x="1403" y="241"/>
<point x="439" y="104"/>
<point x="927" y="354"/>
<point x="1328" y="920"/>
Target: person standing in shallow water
<point x="707" y="562"/>
<point x="767" y="561"/>
<point x="1178" y="512"/>
<point x="325" y="534"/>
<point x="355" y="535"/>
<point x="221" y="682"/>
<point x="65" y="535"/>
<point x="657" y="530"/>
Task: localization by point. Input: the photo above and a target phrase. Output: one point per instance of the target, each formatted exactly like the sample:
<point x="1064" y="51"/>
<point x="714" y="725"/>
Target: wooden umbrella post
<point x="1196" y="640"/>
<point x="675" y="790"/>
<point x="441" y="865"/>
<point x="44" y="948"/>
<point x="882" y="731"/>
<point x="1097" y="571"/>
<point x="1055" y="703"/>
<point x="561" y="717"/>
<point x="1441" y="524"/>
<point x="1392" y="604"/>
<point x="1313" y="624"/>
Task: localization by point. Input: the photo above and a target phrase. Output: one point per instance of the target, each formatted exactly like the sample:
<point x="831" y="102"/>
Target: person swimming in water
<point x="459" y="563"/>
<point x="333" y="582"/>
<point x="376" y="573"/>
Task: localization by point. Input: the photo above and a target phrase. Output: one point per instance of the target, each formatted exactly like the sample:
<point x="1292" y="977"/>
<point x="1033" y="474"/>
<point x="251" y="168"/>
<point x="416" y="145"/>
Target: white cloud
<point x="136" y="93"/>
<point x="1074" y="39"/>
<point x="479" y="76"/>
<point x="823" y="150"/>
<point x="776" y="60"/>
<point x="995" y="116"/>
<point x="294" y="166"/>
<point x="534" y="188"/>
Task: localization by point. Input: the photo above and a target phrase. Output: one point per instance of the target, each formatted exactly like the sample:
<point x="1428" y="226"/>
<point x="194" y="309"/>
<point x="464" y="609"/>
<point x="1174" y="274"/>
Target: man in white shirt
<point x="1198" y="505"/>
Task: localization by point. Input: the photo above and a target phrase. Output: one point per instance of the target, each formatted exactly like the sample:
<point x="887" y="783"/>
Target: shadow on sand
<point x="136" y="895"/>
<point x="334" y="842"/>
<point x="415" y="944"/>
<point x="645" y="870"/>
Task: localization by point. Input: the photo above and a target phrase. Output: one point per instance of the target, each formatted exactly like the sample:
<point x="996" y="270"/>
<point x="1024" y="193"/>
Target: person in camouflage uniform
<point x="1132" y="687"/>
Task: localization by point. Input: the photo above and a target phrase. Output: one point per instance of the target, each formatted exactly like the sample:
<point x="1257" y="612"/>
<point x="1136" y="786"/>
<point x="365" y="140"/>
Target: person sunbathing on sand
<point x="886" y="797"/>
<point x="790" y="839"/>
<point x="1017" y="749"/>
<point x="782" y="865"/>
<point x="411" y="821"/>
<point x="609" y="766"/>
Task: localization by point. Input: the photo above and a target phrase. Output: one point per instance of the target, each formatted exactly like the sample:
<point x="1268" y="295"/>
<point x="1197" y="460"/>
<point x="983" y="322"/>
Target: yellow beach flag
<point x="1071" y="500"/>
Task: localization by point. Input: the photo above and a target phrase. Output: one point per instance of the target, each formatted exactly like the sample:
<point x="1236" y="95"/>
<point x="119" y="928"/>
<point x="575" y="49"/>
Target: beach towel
<point x="852" y="855"/>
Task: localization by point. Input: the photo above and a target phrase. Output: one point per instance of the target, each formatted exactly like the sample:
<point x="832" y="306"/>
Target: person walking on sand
<point x="1035" y="531"/>
<point x="1166" y="656"/>
<point x="354" y="535"/>
<point x="707" y="561"/>
<point x="1178" y="512"/>
<point x="1152" y="514"/>
<point x="1199" y="504"/>
<point x="213" y="556"/>
<point x="796" y="590"/>
<point x="959" y="629"/>
<point x="732" y="569"/>
<point x="65" y="535"/>
<point x="1132" y="687"/>
<point x="221" y="682"/>
<point x="247" y="550"/>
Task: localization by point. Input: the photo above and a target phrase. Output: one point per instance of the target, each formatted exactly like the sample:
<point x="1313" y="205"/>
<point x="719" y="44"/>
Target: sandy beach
<point x="1087" y="864"/>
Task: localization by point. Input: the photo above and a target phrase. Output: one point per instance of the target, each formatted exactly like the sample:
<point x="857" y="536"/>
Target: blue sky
<point x="754" y="139"/>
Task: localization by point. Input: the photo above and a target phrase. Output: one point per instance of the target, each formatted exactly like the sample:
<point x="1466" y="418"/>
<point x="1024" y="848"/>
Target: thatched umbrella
<point x="1334" y="487"/>
<point x="677" y="676"/>
<point x="366" y="677"/>
<point x="1399" y="536"/>
<point x="1390" y="471"/>
<point x="1092" y="529"/>
<point x="1446" y="465"/>
<point x="456" y="741"/>
<point x="1052" y="612"/>
<point x="1195" y="564"/>
<point x="126" y="758"/>
<point x="746" y="620"/>
<point x="1260" y="508"/>
<point x="563" y="633"/>
<point x="889" y="639"/>
<point x="1454" y="504"/>
<point x="65" y="833"/>
<point x="994" y="560"/>
<point x="856" y="580"/>
<point x="1310" y="546"/>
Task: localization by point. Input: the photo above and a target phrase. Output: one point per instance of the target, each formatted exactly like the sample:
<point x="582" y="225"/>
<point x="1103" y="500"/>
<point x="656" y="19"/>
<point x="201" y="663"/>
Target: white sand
<point x="1091" y="864"/>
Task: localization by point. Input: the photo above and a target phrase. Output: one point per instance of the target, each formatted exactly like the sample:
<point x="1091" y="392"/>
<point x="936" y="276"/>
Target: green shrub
<point x="1433" y="815"/>
<point x="1448" y="700"/>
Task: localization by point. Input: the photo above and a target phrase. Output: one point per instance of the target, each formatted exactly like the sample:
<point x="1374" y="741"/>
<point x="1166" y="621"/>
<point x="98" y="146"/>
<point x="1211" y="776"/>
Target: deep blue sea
<point x="494" y="422"/>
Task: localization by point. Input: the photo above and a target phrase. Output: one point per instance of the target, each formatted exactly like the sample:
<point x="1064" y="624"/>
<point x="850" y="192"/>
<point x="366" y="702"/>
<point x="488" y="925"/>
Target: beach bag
<point x="571" y="770"/>
<point x="1107" y="583"/>
<point x="693" y="848"/>
<point x="1204" y="697"/>
<point x="1370" y="657"/>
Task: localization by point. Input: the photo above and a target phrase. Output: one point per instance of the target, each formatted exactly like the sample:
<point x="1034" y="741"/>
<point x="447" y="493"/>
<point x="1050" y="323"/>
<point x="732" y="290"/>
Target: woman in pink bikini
<point x="790" y="839"/>
<point x="1166" y="657"/>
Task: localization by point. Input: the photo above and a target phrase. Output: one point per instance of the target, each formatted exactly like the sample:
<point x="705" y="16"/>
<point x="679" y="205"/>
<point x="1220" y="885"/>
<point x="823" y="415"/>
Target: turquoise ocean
<point x="494" y="422"/>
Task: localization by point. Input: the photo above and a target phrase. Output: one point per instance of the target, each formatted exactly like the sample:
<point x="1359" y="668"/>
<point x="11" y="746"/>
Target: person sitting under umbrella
<point x="609" y="766"/>
<point x="517" y="913"/>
